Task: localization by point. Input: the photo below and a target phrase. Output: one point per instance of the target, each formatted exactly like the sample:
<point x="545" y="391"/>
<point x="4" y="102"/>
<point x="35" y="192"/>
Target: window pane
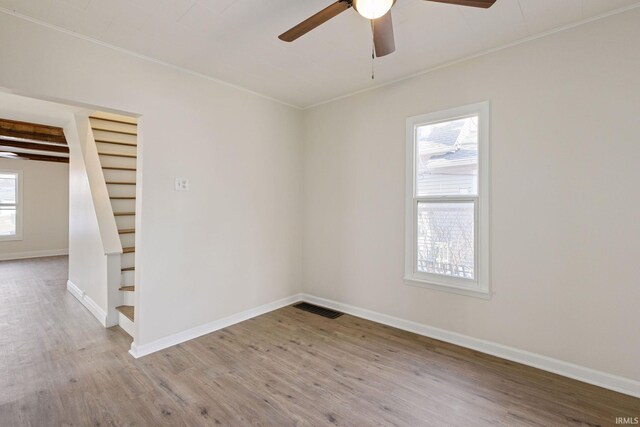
<point x="7" y="188"/>
<point x="7" y="221"/>
<point x="447" y="161"/>
<point x="446" y="239"/>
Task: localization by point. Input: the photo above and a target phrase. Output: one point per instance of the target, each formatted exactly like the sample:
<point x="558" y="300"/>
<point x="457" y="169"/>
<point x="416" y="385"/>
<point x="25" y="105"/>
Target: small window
<point x="447" y="200"/>
<point x="10" y="205"/>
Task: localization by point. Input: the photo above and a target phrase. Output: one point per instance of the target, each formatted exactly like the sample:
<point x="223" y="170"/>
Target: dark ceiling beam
<point x="32" y="131"/>
<point x="29" y="156"/>
<point x="34" y="146"/>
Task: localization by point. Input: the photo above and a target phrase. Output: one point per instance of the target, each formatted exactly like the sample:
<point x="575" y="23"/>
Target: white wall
<point x="233" y="241"/>
<point x="565" y="219"/>
<point x="88" y="263"/>
<point x="45" y="209"/>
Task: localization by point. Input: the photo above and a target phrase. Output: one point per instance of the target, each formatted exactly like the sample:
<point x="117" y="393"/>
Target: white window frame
<point x="18" y="205"/>
<point x="480" y="285"/>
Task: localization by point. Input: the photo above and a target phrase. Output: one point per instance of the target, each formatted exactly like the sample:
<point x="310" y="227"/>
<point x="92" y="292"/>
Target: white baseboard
<point x="33" y="254"/>
<point x="89" y="304"/>
<point x="566" y="369"/>
<point x="162" y="343"/>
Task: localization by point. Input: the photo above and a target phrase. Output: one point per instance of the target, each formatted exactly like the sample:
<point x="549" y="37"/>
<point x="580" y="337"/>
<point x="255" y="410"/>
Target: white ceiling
<point x="236" y="40"/>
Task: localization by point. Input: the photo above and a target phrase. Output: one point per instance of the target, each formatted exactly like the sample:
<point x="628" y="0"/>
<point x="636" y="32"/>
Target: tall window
<point x="10" y="205"/>
<point x="447" y="200"/>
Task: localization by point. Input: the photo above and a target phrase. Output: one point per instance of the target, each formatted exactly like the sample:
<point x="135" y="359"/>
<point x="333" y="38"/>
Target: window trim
<point x="480" y="286"/>
<point x="19" y="204"/>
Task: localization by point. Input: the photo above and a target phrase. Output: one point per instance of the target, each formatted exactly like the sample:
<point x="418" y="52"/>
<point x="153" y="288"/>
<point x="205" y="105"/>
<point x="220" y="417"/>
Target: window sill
<point x="10" y="238"/>
<point x="476" y="293"/>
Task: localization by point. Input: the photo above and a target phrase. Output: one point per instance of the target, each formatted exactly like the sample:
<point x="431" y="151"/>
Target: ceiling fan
<point x="378" y="11"/>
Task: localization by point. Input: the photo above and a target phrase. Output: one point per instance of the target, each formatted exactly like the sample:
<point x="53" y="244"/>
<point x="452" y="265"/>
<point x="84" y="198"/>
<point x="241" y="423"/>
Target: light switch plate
<point x="182" y="184"/>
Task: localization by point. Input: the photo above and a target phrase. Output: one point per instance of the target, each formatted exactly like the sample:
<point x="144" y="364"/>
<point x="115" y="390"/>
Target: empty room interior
<point x="319" y="212"/>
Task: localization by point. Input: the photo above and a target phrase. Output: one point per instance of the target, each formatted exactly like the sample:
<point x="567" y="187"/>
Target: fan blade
<point x="383" y="39"/>
<point x="315" y="21"/>
<point x="473" y="3"/>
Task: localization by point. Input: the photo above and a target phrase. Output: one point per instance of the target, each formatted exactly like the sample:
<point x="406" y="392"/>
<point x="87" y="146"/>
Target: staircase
<point x="116" y="141"/>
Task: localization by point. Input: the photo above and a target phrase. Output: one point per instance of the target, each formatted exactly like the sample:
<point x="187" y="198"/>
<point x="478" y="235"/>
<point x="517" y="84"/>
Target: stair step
<point x="127" y="288"/>
<point x="127" y="231"/>
<point x="104" y="141"/>
<point x="114" y="120"/>
<point x="124" y="213"/>
<point x="104" y="153"/>
<point x="128" y="250"/>
<point x="128" y="269"/>
<point x="127" y="310"/>
<point x="123" y="132"/>
<point x="122" y="197"/>
<point x="113" y="168"/>
<point x="121" y="182"/>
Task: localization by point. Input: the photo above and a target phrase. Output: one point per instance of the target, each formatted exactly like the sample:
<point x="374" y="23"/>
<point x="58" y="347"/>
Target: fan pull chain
<point x="373" y="71"/>
<point x="373" y="49"/>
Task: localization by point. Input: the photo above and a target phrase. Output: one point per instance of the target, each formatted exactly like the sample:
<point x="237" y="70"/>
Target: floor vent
<point x="321" y="311"/>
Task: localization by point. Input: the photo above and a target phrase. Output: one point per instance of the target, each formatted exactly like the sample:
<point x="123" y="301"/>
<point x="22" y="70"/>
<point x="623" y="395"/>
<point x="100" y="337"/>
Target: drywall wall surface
<point x="564" y="219"/>
<point x="230" y="243"/>
<point x="87" y="259"/>
<point x="45" y="209"/>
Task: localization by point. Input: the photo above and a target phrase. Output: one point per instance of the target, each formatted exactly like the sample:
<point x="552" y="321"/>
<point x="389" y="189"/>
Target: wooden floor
<point x="58" y="366"/>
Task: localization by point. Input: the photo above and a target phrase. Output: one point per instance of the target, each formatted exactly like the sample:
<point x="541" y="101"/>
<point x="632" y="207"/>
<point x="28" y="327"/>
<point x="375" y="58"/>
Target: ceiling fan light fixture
<point x="373" y="9"/>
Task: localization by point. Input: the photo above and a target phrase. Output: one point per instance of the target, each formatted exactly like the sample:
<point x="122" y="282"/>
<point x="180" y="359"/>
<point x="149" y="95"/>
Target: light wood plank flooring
<point x="58" y="366"/>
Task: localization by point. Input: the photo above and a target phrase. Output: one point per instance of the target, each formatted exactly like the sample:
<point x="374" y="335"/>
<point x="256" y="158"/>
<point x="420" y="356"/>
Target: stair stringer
<point x="106" y="221"/>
